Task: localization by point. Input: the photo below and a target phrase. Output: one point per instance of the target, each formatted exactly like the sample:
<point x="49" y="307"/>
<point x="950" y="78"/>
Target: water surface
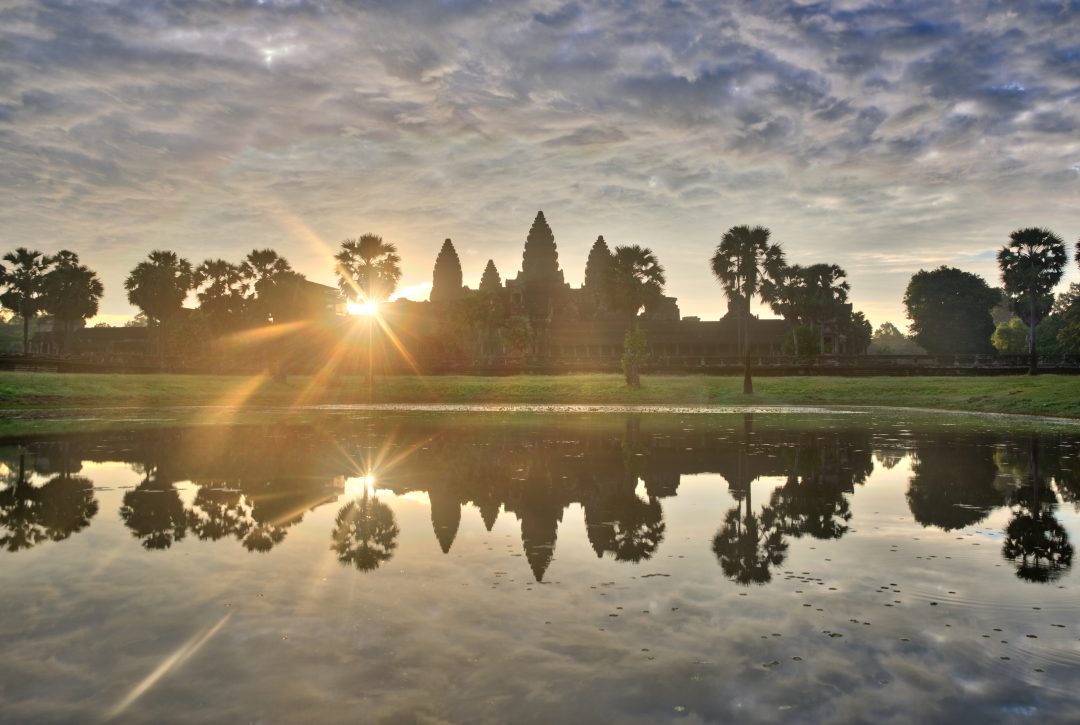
<point x="382" y="565"/>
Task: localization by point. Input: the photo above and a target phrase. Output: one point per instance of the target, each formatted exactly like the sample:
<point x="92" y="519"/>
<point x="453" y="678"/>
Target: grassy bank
<point x="23" y="394"/>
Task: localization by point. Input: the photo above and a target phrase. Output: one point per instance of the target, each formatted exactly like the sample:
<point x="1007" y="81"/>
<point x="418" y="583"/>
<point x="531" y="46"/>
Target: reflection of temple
<point x="254" y="483"/>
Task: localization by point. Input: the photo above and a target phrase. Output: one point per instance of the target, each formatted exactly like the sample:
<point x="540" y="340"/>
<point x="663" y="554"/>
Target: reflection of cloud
<point x="634" y="120"/>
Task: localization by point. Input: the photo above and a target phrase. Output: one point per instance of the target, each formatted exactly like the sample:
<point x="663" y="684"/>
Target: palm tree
<point x="72" y="292"/>
<point x="1032" y="264"/>
<point x="635" y="280"/>
<point x="745" y="263"/>
<point x="269" y="278"/>
<point x="158" y="287"/>
<point x="368" y="268"/>
<point x="222" y="294"/>
<point x="365" y="533"/>
<point x="23" y="286"/>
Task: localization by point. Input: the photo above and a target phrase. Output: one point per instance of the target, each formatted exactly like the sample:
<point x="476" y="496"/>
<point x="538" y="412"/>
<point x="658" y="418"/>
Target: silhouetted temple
<point x="575" y="323"/>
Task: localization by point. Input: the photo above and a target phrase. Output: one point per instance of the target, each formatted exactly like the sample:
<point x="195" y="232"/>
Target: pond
<point x="397" y="566"/>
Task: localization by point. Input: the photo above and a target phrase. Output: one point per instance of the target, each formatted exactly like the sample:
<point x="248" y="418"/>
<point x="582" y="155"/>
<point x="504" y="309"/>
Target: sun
<point x="362" y="308"/>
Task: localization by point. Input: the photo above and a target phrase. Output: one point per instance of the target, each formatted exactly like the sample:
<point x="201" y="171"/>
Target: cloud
<point x="125" y="127"/>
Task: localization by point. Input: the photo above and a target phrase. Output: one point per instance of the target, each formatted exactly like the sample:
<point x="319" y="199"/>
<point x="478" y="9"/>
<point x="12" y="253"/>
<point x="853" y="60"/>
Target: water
<point x="543" y="568"/>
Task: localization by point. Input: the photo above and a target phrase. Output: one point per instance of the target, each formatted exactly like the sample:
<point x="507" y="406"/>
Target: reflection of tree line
<point x="253" y="485"/>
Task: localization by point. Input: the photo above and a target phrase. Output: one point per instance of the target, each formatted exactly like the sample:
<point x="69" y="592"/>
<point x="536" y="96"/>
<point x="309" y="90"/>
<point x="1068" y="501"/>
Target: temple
<point x="574" y="324"/>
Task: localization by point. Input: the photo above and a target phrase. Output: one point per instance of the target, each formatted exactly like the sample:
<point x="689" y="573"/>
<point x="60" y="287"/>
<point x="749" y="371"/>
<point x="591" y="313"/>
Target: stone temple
<point x="573" y="324"/>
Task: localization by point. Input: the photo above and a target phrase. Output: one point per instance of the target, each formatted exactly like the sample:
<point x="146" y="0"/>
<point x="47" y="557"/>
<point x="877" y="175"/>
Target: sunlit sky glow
<point x="885" y="137"/>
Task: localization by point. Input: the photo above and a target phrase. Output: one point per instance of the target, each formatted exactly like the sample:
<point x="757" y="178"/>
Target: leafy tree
<point x="154" y="512"/>
<point x="270" y="282"/>
<point x="158" y="287"/>
<point x="635" y="350"/>
<point x="747" y="267"/>
<point x="949" y="311"/>
<point x="1067" y="308"/>
<point x="858" y="332"/>
<point x="446" y="280"/>
<point x="32" y="515"/>
<point x="635" y="280"/>
<point x="71" y="294"/>
<point x="368" y="268"/>
<point x="803" y="341"/>
<point x="1034" y="538"/>
<point x="1032" y="264"/>
<point x="24" y="286"/>
<point x="888" y="340"/>
<point x="221" y="293"/>
<point x="1010" y="338"/>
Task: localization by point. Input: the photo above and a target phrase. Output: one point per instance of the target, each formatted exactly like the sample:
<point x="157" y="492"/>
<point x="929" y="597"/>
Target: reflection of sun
<point x="362" y="308"/>
<point x="359" y="485"/>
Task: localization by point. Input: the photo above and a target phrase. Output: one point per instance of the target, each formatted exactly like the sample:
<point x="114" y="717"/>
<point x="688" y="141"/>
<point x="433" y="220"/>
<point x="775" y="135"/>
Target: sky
<point x="886" y="137"/>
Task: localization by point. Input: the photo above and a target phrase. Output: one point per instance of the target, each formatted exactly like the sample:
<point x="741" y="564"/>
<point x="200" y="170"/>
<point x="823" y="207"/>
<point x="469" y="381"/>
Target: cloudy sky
<point x="886" y="137"/>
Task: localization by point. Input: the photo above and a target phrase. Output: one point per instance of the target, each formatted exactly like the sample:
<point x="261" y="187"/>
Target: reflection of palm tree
<point x="365" y="534"/>
<point x="154" y="513"/>
<point x="32" y="515"/>
<point x="630" y="528"/>
<point x="747" y="547"/>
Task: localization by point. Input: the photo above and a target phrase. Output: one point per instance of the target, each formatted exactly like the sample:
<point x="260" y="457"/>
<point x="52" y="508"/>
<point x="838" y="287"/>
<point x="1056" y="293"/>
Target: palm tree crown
<point x="744" y="262"/>
<point x="368" y="268"/>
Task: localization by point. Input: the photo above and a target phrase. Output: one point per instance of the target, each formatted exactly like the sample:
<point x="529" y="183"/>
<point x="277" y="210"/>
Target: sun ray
<point x="170" y="663"/>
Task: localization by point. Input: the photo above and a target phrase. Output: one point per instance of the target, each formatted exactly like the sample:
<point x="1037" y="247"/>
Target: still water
<point x="562" y="568"/>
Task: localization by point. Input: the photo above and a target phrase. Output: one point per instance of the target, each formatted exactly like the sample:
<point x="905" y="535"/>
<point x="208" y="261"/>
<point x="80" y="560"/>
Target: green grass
<point x="1046" y="395"/>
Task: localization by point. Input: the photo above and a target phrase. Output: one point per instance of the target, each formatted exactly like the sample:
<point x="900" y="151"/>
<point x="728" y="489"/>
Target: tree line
<point x="951" y="311"/>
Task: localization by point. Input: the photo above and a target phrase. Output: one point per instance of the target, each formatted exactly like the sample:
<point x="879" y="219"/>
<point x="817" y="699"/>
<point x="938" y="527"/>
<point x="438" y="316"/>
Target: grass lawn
<point x="1046" y="395"/>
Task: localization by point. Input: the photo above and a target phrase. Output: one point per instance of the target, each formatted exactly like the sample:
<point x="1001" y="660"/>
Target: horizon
<point x="861" y="135"/>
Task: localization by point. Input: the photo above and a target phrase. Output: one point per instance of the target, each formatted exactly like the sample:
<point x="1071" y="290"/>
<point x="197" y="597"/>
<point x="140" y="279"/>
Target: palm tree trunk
<point x="748" y="382"/>
<point x="1033" y="354"/>
<point x="25" y="334"/>
<point x="795" y="340"/>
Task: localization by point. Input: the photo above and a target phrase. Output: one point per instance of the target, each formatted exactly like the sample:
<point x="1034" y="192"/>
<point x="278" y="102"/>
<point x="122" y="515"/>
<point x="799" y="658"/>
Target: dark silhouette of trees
<point x="158" y="287"/>
<point x="271" y="284"/>
<point x="950" y="311"/>
<point x="749" y="545"/>
<point x="23" y="283"/>
<point x="368" y="268"/>
<point x="747" y="266"/>
<point x="222" y="289"/>
<point x="446" y="280"/>
<point x="219" y="511"/>
<point x="71" y="293"/>
<point x="635" y="280"/>
<point x="365" y="533"/>
<point x="1032" y="264"/>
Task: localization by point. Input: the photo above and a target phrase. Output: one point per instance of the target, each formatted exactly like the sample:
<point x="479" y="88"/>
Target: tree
<point x="1010" y="338"/>
<point x="368" y="268"/>
<point x="446" y="280"/>
<point x="888" y="340"/>
<point x="72" y="292"/>
<point x="826" y="296"/>
<point x="1032" y="264"/>
<point x="221" y="297"/>
<point x="365" y="533"/>
<point x="636" y="280"/>
<point x="23" y="285"/>
<point x="747" y="266"/>
<point x="1067" y="308"/>
<point x="158" y="287"/>
<point x="949" y="311"/>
